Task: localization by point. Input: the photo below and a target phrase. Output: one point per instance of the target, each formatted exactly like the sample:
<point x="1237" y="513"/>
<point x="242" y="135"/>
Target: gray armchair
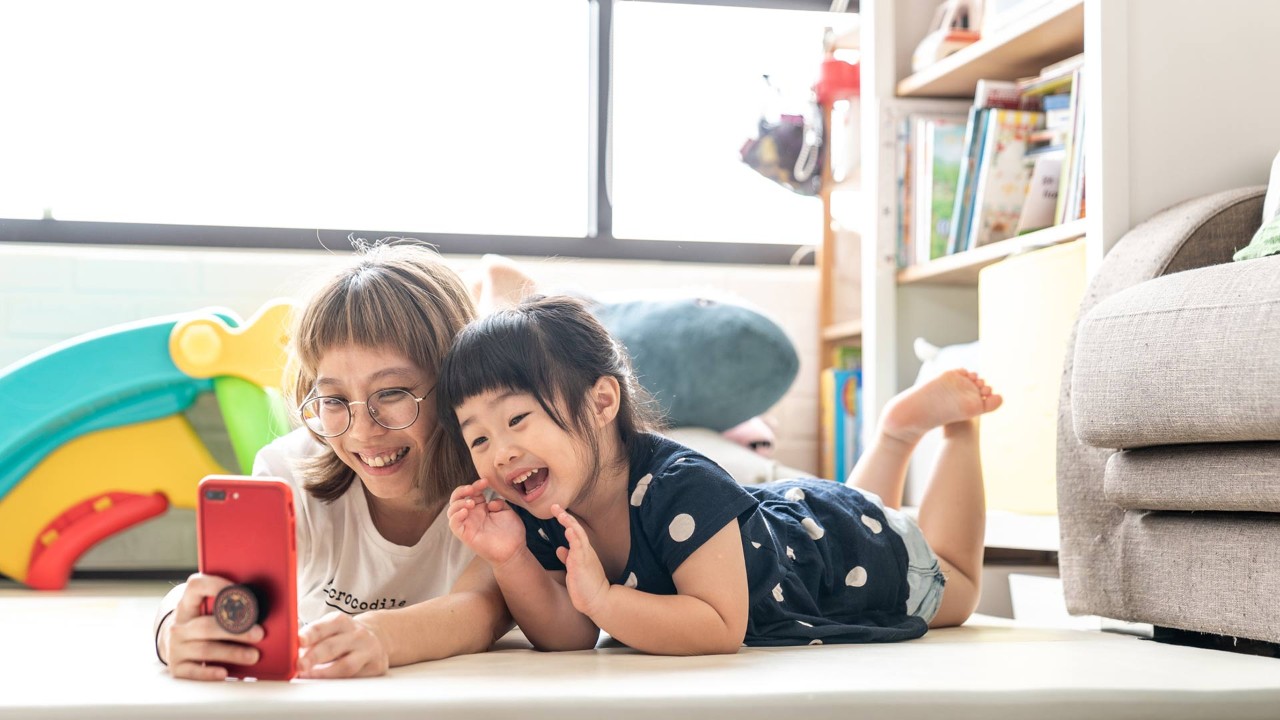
<point x="1169" y="428"/>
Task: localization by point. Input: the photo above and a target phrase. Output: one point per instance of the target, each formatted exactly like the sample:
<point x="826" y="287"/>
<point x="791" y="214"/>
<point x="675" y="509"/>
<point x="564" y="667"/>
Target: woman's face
<point x="389" y="462"/>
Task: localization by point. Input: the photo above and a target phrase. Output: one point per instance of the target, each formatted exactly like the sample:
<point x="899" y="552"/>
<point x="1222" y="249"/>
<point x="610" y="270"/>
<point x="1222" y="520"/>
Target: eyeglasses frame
<point x="351" y="415"/>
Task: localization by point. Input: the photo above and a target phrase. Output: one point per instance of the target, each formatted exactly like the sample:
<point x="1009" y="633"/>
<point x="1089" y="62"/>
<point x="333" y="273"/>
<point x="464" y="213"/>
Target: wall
<point x="50" y="293"/>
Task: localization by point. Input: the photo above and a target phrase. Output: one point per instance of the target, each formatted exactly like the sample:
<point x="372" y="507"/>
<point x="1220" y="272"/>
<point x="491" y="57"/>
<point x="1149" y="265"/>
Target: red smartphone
<point x="245" y="533"/>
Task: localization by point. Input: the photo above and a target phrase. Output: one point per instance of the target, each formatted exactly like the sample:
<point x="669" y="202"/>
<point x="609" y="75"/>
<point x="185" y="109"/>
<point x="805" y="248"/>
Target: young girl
<point x="381" y="580"/>
<point x="602" y="525"/>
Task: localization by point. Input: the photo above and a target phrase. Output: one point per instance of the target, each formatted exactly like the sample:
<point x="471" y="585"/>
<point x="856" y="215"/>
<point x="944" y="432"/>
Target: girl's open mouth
<point x="531" y="482"/>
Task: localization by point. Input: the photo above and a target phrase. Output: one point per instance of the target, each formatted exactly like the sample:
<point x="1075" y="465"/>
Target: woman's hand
<point x="491" y="528"/>
<point x="189" y="639"/>
<point x="341" y="646"/>
<point x="584" y="575"/>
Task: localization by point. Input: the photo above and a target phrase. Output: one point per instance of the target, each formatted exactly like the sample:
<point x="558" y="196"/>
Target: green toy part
<point x="254" y="416"/>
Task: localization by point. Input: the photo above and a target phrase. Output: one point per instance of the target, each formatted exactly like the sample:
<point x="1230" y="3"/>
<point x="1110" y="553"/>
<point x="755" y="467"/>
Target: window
<point x="478" y="128"/>
<point x="292" y="113"/>
<point x="688" y="90"/>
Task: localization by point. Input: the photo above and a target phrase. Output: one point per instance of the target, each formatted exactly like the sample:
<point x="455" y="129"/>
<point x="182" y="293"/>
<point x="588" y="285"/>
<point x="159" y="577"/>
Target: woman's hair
<point x="399" y="296"/>
<point x="553" y="349"/>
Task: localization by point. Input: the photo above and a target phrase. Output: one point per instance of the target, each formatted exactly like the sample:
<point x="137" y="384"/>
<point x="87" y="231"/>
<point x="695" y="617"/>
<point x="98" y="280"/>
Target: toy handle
<point x="80" y="527"/>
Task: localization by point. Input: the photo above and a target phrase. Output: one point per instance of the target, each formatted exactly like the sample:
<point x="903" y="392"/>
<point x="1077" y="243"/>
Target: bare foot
<point x="953" y="396"/>
<point x="500" y="284"/>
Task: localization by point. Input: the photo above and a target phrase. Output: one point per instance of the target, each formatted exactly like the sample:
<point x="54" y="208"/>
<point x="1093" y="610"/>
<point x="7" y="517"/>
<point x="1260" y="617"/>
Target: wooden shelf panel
<point x="962" y="268"/>
<point x="1020" y="49"/>
<point x="851" y="330"/>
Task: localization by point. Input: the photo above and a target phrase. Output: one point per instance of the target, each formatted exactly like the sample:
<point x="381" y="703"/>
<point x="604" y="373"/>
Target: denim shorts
<point x="924" y="576"/>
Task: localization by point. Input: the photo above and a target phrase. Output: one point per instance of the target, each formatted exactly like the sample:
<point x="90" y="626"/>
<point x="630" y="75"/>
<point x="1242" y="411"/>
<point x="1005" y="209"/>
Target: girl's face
<point x="527" y="458"/>
<point x="389" y="462"/>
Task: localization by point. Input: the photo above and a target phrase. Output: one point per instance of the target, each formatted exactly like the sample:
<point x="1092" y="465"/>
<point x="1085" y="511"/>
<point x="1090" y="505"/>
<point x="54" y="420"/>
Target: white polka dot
<point x="795" y="495"/>
<point x="632" y="581"/>
<point x="815" y="641"/>
<point x="857" y="577"/>
<point x="755" y="544"/>
<point x="543" y="533"/>
<point x="777" y="592"/>
<point x="791" y="553"/>
<point x="812" y="527"/>
<point x="805" y="623"/>
<point x="642" y="487"/>
<point x="872" y="523"/>
<point x="681" y="528"/>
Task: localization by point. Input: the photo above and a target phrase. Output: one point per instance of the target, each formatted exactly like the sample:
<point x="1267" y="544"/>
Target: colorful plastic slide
<point x="95" y="440"/>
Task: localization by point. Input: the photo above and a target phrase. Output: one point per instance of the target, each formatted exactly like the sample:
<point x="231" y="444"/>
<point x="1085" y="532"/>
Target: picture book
<point x="957" y="232"/>
<point x="1042" y="194"/>
<point x="1002" y="176"/>
<point x="945" y="147"/>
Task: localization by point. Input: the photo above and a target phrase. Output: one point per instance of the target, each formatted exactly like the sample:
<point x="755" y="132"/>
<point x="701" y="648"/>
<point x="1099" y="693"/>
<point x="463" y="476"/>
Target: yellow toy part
<point x="92" y="487"/>
<point x="208" y="347"/>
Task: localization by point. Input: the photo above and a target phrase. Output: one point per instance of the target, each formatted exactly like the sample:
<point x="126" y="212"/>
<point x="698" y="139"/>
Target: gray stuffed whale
<point x="707" y="363"/>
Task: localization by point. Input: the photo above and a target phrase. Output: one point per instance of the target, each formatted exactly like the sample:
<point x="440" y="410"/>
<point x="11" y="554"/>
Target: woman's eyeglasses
<point x="329" y="416"/>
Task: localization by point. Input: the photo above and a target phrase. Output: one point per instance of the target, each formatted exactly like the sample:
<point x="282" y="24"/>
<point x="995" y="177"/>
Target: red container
<point x="840" y="80"/>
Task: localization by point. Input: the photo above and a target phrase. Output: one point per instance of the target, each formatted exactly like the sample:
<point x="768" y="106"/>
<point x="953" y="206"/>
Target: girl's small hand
<point x="189" y="640"/>
<point x="490" y="528"/>
<point x="341" y="646"/>
<point x="584" y="575"/>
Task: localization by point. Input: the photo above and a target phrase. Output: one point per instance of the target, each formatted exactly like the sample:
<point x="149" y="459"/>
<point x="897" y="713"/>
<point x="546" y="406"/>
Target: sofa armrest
<point x="1197" y="233"/>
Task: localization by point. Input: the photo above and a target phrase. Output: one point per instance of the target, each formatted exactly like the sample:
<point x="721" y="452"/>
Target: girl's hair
<point x="553" y="349"/>
<point x="399" y="296"/>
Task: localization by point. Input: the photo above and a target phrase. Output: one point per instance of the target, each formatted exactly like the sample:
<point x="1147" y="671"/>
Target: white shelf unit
<point x="1177" y="105"/>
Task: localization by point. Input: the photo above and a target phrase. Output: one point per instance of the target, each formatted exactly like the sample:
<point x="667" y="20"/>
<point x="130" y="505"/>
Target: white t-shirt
<point x="343" y="562"/>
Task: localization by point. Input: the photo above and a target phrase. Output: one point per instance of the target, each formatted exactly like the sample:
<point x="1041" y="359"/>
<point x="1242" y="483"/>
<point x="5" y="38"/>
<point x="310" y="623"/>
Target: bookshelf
<point x="1149" y="111"/>
<point x="962" y="268"/>
<point x="839" y="255"/>
<point x="1050" y="34"/>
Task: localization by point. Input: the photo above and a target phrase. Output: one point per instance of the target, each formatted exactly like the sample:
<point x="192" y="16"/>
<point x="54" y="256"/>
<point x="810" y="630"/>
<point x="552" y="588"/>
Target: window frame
<point x="599" y="244"/>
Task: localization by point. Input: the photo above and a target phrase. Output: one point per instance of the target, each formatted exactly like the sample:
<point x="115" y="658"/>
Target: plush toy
<point x="707" y="363"/>
<point x="755" y="434"/>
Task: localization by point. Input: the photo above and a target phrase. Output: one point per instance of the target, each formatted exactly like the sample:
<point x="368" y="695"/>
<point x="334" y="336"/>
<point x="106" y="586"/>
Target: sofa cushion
<point x="1184" y="358"/>
<point x="1209" y="572"/>
<point x="1239" y="477"/>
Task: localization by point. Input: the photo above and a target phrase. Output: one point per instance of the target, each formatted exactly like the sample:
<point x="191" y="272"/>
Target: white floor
<point x="87" y="652"/>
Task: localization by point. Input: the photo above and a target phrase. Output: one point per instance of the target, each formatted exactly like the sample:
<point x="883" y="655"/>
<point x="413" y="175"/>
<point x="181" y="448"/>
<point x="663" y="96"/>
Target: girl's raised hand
<point x="584" y="575"/>
<point x="489" y="527"/>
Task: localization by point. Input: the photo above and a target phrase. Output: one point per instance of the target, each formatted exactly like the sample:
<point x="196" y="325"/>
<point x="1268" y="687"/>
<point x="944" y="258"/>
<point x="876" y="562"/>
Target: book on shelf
<point x="939" y="142"/>
<point x="1002" y="176"/>
<point x="1064" y="66"/>
<point x="1042" y="193"/>
<point x="927" y="146"/>
<point x="846" y="357"/>
<point x="997" y="94"/>
<point x="841" y="398"/>
<point x="988" y="95"/>
<point x="1071" y="186"/>
<point x="902" y="169"/>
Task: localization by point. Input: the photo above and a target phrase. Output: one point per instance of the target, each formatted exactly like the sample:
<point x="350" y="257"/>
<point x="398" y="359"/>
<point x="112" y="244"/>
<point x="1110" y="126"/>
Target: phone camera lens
<point x="215" y="494"/>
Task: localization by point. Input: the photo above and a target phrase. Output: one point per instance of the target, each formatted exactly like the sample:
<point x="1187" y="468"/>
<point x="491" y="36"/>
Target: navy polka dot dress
<point x="822" y="564"/>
